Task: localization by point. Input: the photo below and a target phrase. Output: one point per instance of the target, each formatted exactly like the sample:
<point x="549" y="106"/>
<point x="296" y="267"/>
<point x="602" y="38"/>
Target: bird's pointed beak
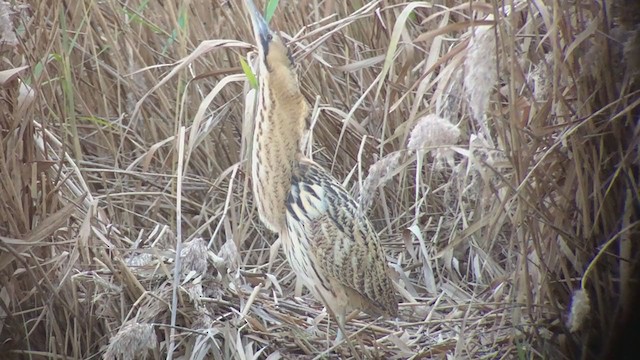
<point x="260" y="28"/>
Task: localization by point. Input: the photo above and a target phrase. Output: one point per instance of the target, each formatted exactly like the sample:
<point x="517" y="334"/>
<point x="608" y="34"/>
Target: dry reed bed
<point x="495" y="148"/>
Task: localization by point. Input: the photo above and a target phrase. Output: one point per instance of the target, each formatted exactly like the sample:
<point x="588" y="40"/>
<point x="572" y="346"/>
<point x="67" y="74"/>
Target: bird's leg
<point x="273" y="252"/>
<point x="341" y="320"/>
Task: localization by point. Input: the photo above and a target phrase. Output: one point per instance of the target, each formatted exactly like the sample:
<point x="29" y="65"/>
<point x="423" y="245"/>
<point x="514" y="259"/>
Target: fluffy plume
<point x="379" y="173"/>
<point x="433" y="131"/>
<point x="481" y="72"/>
<point x="624" y="49"/>
<point x="195" y="256"/>
<point x="580" y="309"/>
<point x="7" y="34"/>
<point x="541" y="77"/>
<point x="632" y="52"/>
<point x="133" y="341"/>
<point x="231" y="257"/>
<point x="435" y="134"/>
<point x="449" y="101"/>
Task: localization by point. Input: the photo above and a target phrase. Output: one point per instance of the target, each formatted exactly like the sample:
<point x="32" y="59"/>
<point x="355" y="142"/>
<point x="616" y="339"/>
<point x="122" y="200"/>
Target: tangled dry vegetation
<point x="494" y="145"/>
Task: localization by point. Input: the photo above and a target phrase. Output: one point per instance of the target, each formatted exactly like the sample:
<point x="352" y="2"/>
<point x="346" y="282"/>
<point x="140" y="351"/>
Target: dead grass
<point x="125" y="140"/>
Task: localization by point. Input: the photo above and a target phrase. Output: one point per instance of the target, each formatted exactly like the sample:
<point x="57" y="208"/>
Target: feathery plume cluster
<point x="379" y="173"/>
<point x="580" y="309"/>
<point x="484" y="152"/>
<point x="540" y="78"/>
<point x="139" y="260"/>
<point x="433" y="131"/>
<point x="194" y="266"/>
<point x="7" y="33"/>
<point x="624" y="48"/>
<point x="631" y="52"/>
<point x="479" y="170"/>
<point x="591" y="62"/>
<point x="481" y="72"/>
<point x="195" y="256"/>
<point x="230" y="256"/>
<point x="435" y="134"/>
<point x="449" y="101"/>
<point x="132" y="341"/>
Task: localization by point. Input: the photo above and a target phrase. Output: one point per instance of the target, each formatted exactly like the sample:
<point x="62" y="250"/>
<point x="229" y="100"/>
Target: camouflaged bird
<point x="334" y="250"/>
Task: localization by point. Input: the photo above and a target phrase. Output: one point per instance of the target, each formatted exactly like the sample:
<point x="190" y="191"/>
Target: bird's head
<point x="281" y="102"/>
<point x="275" y="56"/>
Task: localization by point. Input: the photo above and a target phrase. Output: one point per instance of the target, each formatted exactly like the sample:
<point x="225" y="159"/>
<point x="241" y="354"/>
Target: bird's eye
<point x="269" y="37"/>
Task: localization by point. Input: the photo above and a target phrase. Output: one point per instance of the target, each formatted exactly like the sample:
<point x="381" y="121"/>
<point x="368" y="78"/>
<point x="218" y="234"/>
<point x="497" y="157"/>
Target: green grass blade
<point x="270" y="10"/>
<point x="253" y="81"/>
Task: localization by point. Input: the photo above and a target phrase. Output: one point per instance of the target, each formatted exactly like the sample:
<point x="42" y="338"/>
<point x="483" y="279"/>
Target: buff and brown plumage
<point x="333" y="249"/>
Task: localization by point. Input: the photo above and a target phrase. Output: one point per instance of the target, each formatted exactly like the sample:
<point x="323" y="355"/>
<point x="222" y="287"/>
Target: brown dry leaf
<point x="45" y="229"/>
<point x="9" y="75"/>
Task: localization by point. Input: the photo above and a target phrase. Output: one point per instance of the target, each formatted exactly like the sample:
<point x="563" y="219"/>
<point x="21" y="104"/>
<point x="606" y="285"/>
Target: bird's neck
<point x="278" y="134"/>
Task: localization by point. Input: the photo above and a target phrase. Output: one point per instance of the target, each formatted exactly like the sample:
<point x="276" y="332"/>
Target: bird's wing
<point x="344" y="243"/>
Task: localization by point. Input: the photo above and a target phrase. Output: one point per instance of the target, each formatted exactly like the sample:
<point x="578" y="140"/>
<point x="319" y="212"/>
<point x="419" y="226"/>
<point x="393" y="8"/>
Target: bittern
<point x="329" y="245"/>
